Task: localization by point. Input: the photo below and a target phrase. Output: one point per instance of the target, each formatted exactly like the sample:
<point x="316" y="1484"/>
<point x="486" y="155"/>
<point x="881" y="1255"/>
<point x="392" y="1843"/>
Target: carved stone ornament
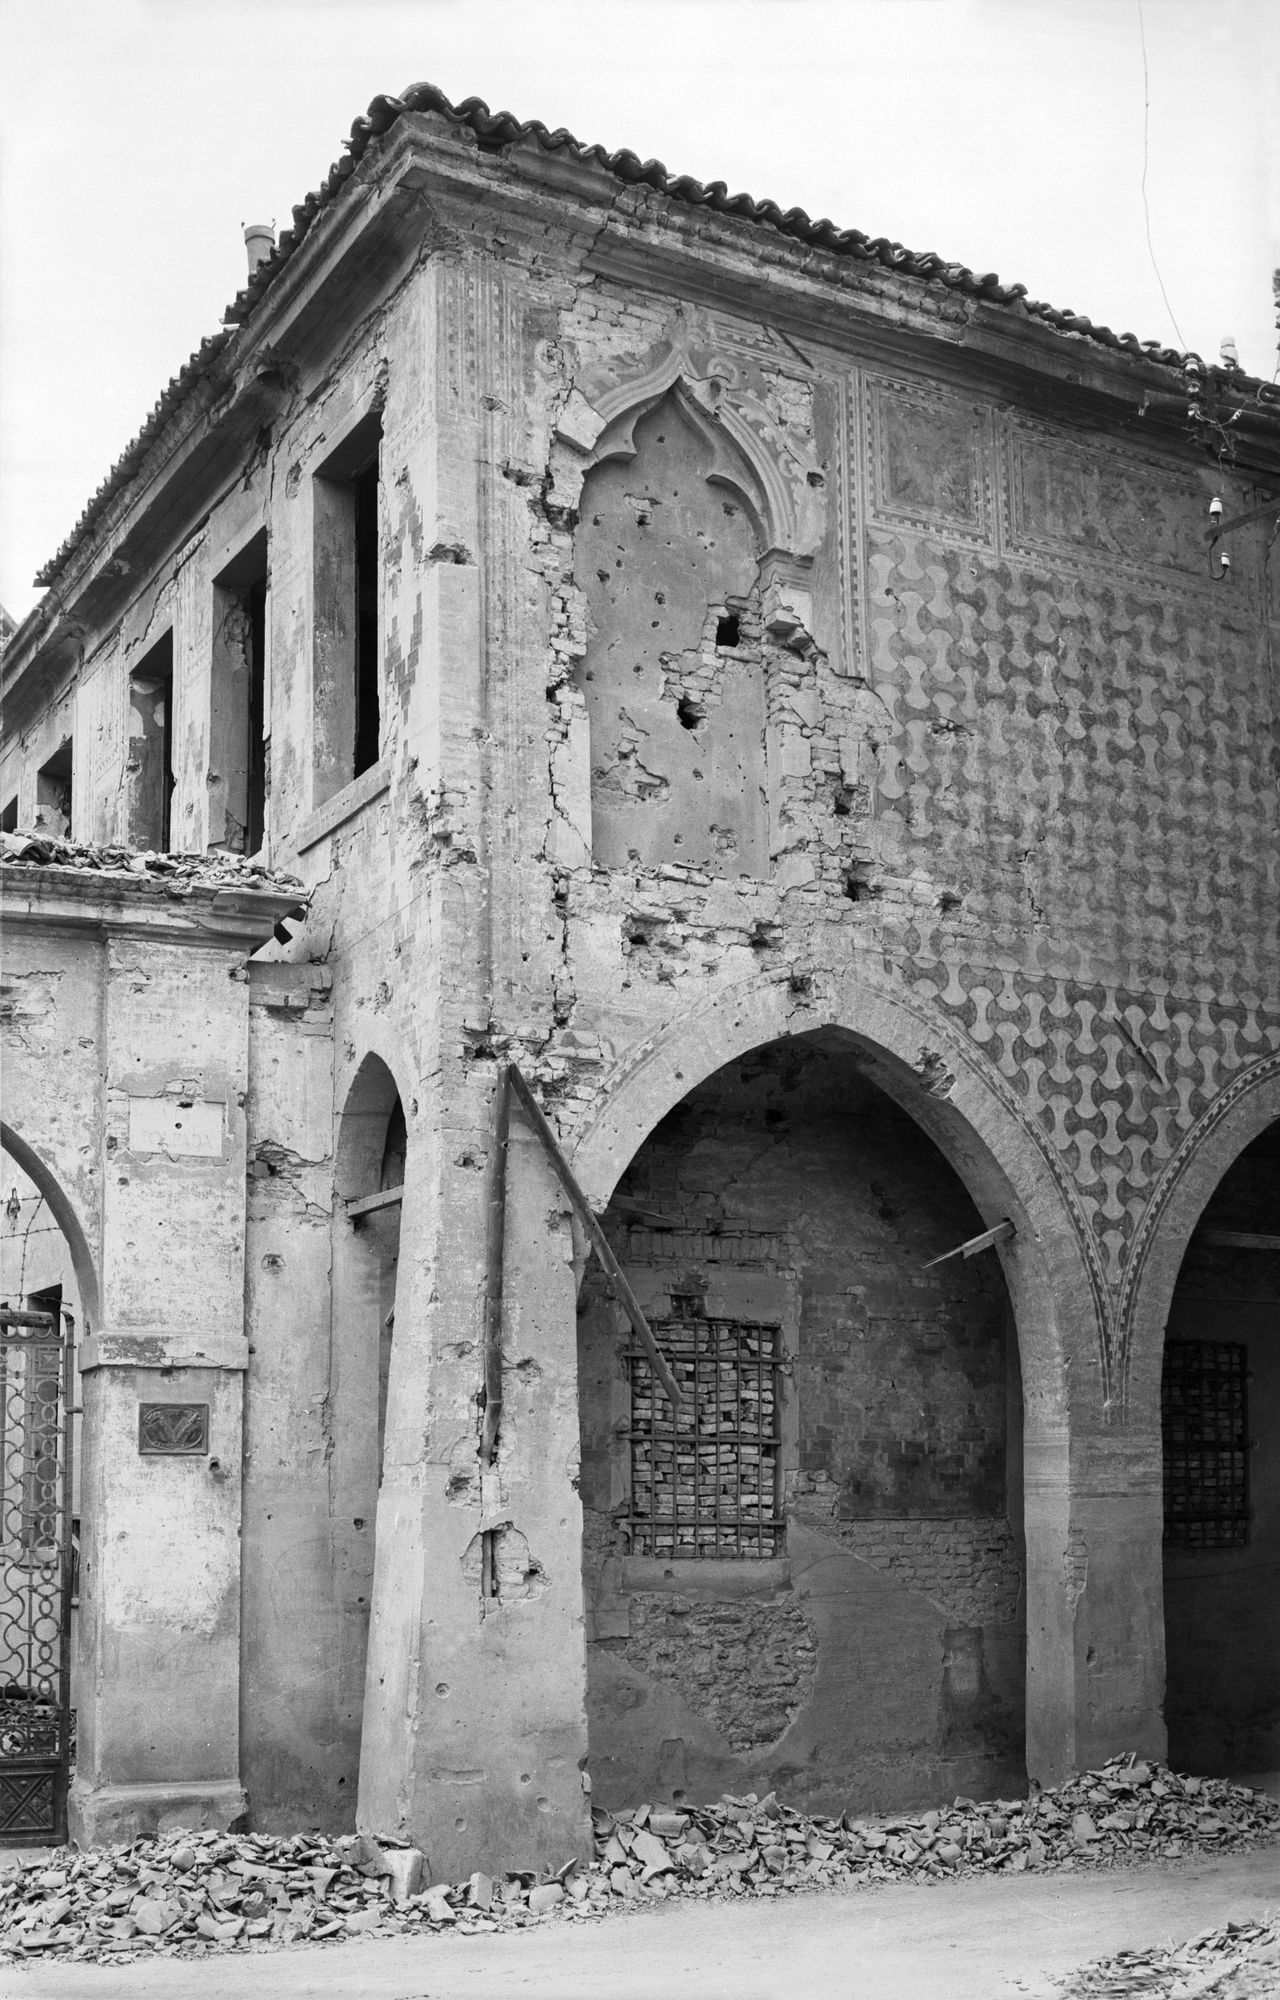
<point x="173" y="1430"/>
<point x="773" y="473"/>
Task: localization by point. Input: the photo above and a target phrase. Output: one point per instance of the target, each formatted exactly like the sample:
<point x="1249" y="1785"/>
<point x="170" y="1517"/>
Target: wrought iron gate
<point x="35" y="1575"/>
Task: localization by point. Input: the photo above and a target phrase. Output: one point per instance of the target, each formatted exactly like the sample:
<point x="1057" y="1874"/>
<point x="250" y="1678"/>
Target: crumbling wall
<point x="788" y="1186"/>
<point x="1011" y="759"/>
<point x="672" y="672"/>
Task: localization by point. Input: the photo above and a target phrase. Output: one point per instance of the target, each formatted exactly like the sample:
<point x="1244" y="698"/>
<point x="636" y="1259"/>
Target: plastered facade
<point x="769" y="647"/>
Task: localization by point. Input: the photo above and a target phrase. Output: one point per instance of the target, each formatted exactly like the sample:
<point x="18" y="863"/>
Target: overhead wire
<point x="1146" y="158"/>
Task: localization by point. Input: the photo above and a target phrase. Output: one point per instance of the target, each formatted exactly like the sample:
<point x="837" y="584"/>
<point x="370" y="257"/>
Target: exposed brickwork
<point x="973" y="1570"/>
<point x="747" y="1666"/>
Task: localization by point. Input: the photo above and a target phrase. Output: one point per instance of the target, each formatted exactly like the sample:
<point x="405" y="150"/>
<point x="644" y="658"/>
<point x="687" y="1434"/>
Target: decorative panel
<point x="1086" y="501"/>
<point x="931" y="458"/>
<point x="173" y="1430"/>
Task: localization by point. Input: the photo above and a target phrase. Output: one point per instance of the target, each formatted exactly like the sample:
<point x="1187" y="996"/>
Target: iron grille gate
<point x="35" y="1576"/>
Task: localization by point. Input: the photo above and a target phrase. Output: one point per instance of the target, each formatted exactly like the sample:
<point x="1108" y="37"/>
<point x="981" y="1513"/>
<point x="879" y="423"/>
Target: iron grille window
<point x="1204" y="1416"/>
<point x="704" y="1479"/>
<point x="30" y="1420"/>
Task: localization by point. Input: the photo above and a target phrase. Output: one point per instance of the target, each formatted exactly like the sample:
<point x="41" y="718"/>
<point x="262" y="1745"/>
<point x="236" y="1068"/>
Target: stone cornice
<point x="79" y="899"/>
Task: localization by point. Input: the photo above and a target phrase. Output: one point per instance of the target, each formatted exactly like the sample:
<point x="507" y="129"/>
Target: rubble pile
<point x="1241" y="1961"/>
<point x="216" y="869"/>
<point x="192" y="1893"/>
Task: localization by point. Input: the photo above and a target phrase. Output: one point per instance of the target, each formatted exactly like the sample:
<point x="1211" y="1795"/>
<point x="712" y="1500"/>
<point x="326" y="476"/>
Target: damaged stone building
<point x="722" y="768"/>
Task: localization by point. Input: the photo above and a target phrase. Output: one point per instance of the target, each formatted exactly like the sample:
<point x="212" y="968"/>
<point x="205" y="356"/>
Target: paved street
<point x="977" y="1939"/>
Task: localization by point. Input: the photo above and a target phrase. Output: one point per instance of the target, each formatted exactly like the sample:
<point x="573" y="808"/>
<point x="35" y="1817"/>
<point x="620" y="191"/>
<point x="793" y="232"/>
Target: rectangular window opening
<point x="347" y="719"/>
<point x="239" y="749"/>
<point x="704" y="1480"/>
<point x="53" y="793"/>
<point x="31" y="1388"/>
<point x="1204" y="1423"/>
<point x="9" y="816"/>
<point x="150" y="765"/>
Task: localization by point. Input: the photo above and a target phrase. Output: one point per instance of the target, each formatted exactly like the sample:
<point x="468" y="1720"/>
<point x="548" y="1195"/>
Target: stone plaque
<point x="176" y="1125"/>
<point x="173" y="1430"/>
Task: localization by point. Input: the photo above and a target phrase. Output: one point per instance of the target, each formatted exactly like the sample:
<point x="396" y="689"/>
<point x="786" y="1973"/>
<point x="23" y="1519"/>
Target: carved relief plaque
<point x="173" y="1430"/>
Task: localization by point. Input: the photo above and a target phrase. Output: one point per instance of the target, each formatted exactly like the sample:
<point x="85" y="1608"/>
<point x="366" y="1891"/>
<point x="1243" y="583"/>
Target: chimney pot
<point x="259" y="242"/>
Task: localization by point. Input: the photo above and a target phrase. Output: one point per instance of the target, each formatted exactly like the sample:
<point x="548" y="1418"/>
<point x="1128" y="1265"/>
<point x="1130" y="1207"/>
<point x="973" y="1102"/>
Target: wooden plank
<point x="365" y="1204"/>
<point x="1000" y="1234"/>
<point x="1238" y="1239"/>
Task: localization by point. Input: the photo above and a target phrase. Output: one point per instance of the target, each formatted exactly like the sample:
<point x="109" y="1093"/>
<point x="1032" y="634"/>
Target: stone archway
<point x="369" y="1172"/>
<point x="1204" y="1376"/>
<point x="1092" y="1544"/>
<point x="811" y="1579"/>
<point x="64" y="1214"/>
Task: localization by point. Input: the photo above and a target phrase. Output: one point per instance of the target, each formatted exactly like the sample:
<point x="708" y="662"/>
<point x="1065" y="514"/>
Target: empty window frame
<point x="704" y="1479"/>
<point x="346" y="704"/>
<point x="1204" y="1420"/>
<point x="150" y="765"/>
<point x="9" y="816"/>
<point x="53" y="793"/>
<point x="238" y="748"/>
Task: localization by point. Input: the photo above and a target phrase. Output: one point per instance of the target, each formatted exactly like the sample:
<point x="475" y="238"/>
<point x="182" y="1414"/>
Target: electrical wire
<point x="1146" y="135"/>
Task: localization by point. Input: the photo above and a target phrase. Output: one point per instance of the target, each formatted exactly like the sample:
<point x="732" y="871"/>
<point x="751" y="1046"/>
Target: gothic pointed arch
<point x="770" y="469"/>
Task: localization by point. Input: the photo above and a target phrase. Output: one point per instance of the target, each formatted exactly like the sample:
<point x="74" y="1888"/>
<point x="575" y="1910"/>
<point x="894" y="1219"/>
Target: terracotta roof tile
<point x="495" y="130"/>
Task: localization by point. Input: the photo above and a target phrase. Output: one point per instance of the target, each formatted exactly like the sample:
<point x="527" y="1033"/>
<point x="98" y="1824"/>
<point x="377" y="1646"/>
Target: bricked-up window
<point x="704" y="1479"/>
<point x="1204" y="1414"/>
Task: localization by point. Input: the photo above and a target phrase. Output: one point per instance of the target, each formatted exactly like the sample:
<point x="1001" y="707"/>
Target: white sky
<point x="138" y="135"/>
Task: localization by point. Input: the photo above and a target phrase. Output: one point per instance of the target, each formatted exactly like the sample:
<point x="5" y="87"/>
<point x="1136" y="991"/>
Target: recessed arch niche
<point x="814" y="1579"/>
<point x="369" y="1162"/>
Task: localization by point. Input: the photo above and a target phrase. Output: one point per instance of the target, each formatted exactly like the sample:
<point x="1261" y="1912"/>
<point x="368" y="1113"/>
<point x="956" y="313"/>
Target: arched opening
<point x="812" y="1577"/>
<point x="41" y="1313"/>
<point x="369" y="1180"/>
<point x="1220" y="1420"/>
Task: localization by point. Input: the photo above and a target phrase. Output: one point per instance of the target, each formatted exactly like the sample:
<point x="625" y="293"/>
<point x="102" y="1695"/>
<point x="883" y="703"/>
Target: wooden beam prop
<point x="493" y="1279"/>
<point x="1000" y="1234"/>
<point x="365" y="1204"/>
<point x="1238" y="1239"/>
<point x="599" y="1241"/>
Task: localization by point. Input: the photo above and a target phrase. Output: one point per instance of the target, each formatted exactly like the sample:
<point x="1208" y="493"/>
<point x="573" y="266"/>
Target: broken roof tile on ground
<point x="191" y="1894"/>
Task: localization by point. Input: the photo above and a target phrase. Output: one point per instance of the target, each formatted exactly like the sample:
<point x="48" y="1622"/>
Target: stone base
<point x="97" y="1815"/>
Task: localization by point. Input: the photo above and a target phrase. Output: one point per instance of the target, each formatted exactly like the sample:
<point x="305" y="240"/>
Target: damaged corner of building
<point x="642" y="1035"/>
